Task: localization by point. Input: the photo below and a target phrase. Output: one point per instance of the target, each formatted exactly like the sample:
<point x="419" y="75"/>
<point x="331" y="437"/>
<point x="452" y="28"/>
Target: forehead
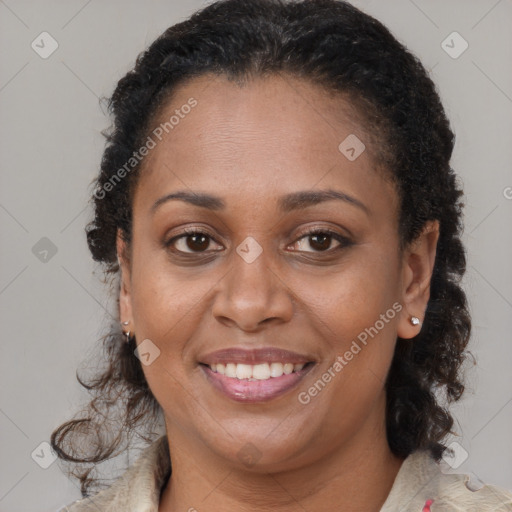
<point x="275" y="134"/>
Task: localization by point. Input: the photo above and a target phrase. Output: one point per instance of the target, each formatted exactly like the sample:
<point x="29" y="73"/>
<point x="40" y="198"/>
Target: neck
<point x="357" y="475"/>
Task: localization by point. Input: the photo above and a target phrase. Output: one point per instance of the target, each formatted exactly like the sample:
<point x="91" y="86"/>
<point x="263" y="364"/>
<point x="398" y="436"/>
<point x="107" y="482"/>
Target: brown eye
<point x="190" y="242"/>
<point x="320" y="240"/>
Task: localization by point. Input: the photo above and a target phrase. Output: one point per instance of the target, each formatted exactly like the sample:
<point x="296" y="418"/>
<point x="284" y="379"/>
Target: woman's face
<point x="252" y="283"/>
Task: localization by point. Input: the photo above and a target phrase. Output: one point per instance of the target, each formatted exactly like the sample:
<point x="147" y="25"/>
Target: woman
<point x="277" y="201"/>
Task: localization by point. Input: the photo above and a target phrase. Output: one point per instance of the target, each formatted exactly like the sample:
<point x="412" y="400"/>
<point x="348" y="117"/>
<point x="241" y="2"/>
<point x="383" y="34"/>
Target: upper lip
<point x="254" y="356"/>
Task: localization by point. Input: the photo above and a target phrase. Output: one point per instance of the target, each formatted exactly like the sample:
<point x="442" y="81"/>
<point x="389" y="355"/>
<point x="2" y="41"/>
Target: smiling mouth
<point x="256" y="383"/>
<point x="255" y="375"/>
<point x="257" y="372"/>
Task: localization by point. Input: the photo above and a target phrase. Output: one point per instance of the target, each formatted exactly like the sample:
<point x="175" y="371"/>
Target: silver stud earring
<point x="415" y="320"/>
<point x="127" y="334"/>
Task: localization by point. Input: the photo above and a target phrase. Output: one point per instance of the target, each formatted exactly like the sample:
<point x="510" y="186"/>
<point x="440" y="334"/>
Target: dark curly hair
<point x="347" y="52"/>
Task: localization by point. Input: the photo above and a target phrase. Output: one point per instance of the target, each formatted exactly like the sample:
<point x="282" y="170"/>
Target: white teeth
<point x="263" y="371"/>
<point x="243" y="371"/>
<point x="288" y="368"/>
<point x="230" y="370"/>
<point x="276" y="370"/>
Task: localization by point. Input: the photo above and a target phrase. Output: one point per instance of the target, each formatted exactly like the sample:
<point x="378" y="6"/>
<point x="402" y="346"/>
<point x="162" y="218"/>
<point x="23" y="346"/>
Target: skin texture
<point x="250" y="145"/>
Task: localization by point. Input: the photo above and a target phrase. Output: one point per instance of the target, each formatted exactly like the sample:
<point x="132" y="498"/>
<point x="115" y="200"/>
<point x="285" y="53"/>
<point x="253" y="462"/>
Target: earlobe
<point x="418" y="266"/>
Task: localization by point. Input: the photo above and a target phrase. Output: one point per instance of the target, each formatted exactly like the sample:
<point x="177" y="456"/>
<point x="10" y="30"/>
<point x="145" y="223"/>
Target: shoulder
<point x="424" y="485"/>
<point x="456" y="493"/>
<point x="137" y="489"/>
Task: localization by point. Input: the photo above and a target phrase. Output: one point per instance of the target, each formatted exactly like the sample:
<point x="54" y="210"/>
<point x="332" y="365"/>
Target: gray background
<point x="53" y="312"/>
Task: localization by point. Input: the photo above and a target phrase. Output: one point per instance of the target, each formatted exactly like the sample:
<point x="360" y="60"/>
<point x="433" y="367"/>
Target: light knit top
<point x="420" y="486"/>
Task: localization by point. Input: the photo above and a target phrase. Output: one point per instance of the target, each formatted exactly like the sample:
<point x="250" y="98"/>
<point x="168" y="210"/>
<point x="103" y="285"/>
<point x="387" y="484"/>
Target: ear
<point x="417" y="267"/>
<point x="125" y="303"/>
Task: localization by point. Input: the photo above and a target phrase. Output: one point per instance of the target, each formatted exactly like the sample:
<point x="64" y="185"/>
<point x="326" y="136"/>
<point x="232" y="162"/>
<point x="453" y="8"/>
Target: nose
<point x="252" y="295"/>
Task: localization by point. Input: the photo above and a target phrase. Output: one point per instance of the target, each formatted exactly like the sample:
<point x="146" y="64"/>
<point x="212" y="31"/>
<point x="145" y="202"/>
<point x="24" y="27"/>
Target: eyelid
<point x="322" y="229"/>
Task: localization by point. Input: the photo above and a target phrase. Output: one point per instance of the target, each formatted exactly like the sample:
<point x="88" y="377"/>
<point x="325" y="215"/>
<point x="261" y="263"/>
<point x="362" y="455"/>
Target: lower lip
<point x="254" y="390"/>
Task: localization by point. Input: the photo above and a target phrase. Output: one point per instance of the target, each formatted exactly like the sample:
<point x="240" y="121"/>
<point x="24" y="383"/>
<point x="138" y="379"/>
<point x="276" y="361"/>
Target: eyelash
<point x="343" y="240"/>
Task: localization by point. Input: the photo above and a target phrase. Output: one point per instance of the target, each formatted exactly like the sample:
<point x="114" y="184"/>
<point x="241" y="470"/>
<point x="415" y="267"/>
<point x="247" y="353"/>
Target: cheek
<point x="166" y="310"/>
<point x="163" y="299"/>
<point x="354" y="297"/>
<point x="356" y="312"/>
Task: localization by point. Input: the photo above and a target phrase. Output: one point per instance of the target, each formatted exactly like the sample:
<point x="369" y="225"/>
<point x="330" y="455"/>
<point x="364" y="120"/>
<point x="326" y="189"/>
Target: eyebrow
<point x="287" y="203"/>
